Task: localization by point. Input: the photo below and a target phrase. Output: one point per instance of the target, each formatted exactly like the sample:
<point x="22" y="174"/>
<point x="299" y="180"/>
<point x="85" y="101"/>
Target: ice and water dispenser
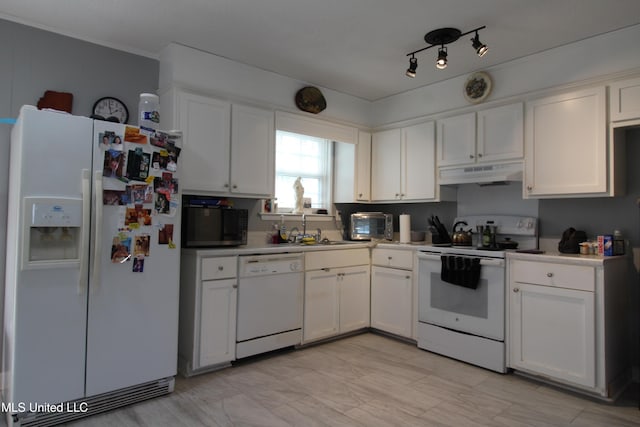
<point x="53" y="232"/>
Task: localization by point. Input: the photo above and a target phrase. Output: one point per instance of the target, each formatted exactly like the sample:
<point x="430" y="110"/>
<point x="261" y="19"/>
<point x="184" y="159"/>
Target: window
<point x="307" y="157"/>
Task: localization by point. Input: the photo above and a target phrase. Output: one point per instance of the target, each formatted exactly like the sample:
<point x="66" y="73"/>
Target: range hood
<point x="481" y="174"/>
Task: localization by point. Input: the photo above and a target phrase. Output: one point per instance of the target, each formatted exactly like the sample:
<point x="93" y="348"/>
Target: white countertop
<point x="276" y="248"/>
<point x="554" y="256"/>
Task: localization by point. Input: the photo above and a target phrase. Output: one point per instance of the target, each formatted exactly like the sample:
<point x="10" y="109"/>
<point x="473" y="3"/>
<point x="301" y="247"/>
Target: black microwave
<point x="207" y="225"/>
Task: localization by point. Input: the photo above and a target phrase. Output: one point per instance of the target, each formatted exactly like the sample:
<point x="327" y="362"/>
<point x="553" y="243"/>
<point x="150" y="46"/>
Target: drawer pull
<point x="220" y="268"/>
<point x="516" y="290"/>
<point x="549" y="274"/>
<point x="235" y="286"/>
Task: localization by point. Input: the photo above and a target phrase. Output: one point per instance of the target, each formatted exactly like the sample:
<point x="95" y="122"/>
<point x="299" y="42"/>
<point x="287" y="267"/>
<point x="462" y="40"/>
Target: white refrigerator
<point x="93" y="260"/>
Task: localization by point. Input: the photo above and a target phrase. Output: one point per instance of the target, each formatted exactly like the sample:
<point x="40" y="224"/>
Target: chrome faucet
<point x="304" y="225"/>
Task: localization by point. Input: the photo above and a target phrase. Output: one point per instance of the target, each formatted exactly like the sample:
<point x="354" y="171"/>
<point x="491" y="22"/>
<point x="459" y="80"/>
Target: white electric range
<point x="461" y="292"/>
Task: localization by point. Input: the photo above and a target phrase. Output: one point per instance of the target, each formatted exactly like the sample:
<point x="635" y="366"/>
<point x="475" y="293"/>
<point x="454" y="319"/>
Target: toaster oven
<point x="370" y="226"/>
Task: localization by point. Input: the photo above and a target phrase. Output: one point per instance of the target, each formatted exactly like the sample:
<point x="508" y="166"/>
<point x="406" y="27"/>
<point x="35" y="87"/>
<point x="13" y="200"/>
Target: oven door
<point x="477" y="311"/>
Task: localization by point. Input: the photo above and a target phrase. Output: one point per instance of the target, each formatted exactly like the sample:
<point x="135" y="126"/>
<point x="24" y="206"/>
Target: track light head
<point x="441" y="62"/>
<point x="413" y="64"/>
<point x="480" y="47"/>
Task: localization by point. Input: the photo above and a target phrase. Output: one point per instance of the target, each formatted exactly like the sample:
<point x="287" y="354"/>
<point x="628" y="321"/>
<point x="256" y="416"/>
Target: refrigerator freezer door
<point x="132" y="316"/>
<point x="45" y="314"/>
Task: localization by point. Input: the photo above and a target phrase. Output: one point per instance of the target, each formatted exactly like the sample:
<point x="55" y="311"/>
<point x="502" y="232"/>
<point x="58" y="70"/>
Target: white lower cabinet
<point x="566" y="321"/>
<point x="544" y="317"/>
<point x="208" y="303"/>
<point x="218" y="322"/>
<point x="337" y="296"/>
<point x="392" y="291"/>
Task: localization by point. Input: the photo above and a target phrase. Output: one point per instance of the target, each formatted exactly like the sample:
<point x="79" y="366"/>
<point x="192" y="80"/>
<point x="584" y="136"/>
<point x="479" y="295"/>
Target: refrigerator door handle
<point x="85" y="231"/>
<point x="97" y="241"/>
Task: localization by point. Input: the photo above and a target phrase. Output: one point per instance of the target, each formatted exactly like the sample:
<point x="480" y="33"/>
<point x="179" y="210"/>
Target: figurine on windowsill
<point x="299" y="189"/>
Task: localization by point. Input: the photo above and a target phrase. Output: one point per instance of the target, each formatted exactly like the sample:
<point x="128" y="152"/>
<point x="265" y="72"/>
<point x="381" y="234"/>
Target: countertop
<point x="277" y="248"/>
<point x="557" y="257"/>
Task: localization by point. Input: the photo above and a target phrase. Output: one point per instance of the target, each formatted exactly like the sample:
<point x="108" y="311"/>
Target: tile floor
<point x="367" y="380"/>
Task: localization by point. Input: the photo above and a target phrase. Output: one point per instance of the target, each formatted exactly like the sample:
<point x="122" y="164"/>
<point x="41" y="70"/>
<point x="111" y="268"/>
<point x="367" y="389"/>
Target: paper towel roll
<point x="405" y="228"/>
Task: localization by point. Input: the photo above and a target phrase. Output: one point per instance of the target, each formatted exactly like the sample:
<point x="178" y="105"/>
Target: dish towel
<point x="460" y="271"/>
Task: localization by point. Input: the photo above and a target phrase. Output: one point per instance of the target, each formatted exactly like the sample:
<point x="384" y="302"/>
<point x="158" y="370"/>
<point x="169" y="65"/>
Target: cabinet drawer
<point x="219" y="268"/>
<point x="336" y="258"/>
<point x="393" y="258"/>
<point x="580" y="277"/>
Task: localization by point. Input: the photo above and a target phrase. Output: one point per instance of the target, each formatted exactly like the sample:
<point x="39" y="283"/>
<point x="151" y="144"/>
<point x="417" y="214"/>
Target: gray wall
<point x="600" y="215"/>
<point x="34" y="61"/>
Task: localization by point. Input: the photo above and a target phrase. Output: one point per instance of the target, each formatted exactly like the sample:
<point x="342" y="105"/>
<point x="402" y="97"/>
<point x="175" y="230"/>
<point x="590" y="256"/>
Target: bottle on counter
<point x="618" y="243"/>
<point x="486" y="237"/>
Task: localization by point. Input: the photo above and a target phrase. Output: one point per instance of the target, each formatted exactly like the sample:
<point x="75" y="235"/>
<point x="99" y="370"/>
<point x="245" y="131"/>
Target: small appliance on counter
<point x="370" y="225"/>
<point x="209" y="222"/>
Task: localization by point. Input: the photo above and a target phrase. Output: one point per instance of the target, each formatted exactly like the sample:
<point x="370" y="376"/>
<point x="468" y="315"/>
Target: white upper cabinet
<point x="385" y="165"/>
<point x="205" y="123"/>
<point x="352" y="170"/>
<point x="227" y="150"/>
<point x="363" y="167"/>
<point x="419" y="162"/>
<point x="403" y="164"/>
<point x="252" y="151"/>
<point x="566" y="146"/>
<point x="488" y="136"/>
<point x="457" y="140"/>
<point x="500" y="133"/>
<point x="624" y="100"/>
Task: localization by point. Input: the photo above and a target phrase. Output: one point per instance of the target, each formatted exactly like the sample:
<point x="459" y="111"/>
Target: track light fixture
<point x="413" y="64"/>
<point x="442" y="37"/>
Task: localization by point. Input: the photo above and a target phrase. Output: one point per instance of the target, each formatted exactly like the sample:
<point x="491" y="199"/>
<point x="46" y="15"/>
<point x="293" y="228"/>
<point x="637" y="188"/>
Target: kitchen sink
<point x="334" y="242"/>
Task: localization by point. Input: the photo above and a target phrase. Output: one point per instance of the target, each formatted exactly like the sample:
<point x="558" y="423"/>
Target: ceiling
<point x="357" y="47"/>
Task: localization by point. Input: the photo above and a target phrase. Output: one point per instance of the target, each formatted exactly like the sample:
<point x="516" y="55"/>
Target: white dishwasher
<point x="270" y="298"/>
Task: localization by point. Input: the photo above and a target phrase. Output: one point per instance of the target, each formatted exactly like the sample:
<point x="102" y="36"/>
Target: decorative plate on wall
<point x="477" y="87"/>
<point x="311" y="100"/>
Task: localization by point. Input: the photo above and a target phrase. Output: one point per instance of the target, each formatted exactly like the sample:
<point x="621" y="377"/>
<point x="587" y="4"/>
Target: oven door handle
<point x="492" y="262"/>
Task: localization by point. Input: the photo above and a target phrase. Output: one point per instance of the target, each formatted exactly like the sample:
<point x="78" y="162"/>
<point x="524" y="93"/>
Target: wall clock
<point x="477" y="87"/>
<point x="111" y="109"/>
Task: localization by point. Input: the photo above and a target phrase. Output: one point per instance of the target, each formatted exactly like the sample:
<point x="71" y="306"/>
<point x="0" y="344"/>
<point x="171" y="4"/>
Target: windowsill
<point x="270" y="216"/>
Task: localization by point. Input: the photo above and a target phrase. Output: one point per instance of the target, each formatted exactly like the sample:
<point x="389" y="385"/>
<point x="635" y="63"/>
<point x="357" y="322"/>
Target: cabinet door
<point x="205" y="123"/>
<point x="391" y="300"/>
<point x="385" y="165"/>
<point x="500" y="133"/>
<point x="363" y="167"/>
<point x="252" y="151"/>
<point x="552" y="332"/>
<point x="566" y="145"/>
<point x="354" y="302"/>
<point x="625" y="100"/>
<point x="320" y="305"/>
<point x="344" y="172"/>
<point x="457" y="140"/>
<point x="217" y="322"/>
<point x="419" y="162"/>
